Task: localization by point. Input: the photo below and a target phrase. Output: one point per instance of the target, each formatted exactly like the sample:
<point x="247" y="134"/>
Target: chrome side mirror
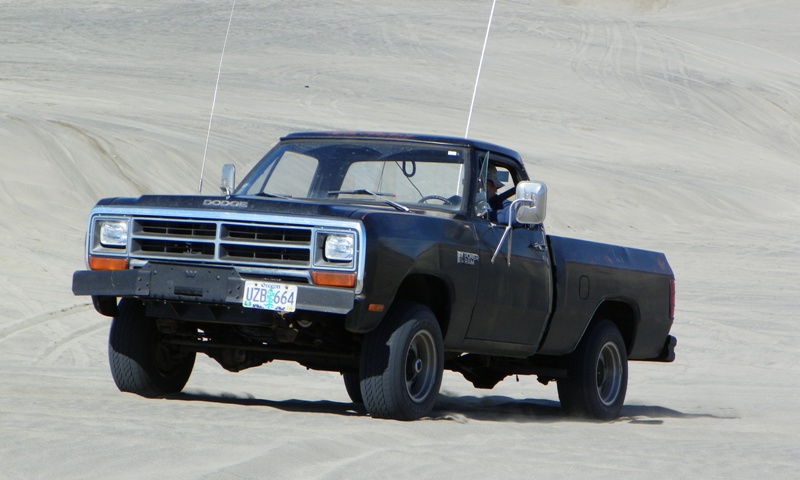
<point x="228" y="179"/>
<point x="531" y="212"/>
<point x="528" y="209"/>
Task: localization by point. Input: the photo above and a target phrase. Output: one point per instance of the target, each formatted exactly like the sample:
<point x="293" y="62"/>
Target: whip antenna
<point x="214" y="101"/>
<point x="480" y="66"/>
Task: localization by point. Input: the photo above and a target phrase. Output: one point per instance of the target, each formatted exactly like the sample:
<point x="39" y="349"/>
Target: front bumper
<point x="208" y="285"/>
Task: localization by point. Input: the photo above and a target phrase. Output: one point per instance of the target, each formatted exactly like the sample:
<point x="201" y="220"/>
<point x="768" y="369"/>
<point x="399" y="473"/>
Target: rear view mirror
<point x="228" y="180"/>
<point x="532" y="211"/>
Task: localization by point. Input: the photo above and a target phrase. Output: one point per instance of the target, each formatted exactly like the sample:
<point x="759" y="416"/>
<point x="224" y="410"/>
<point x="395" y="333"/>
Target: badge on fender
<point x="466" y="258"/>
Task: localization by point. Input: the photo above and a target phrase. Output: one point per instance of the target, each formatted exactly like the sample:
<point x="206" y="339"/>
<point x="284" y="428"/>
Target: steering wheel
<point x="435" y="197"/>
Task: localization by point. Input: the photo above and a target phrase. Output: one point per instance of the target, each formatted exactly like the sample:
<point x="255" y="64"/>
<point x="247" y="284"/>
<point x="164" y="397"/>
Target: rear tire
<point x="598" y="375"/>
<point x="140" y="362"/>
<point x="402" y="362"/>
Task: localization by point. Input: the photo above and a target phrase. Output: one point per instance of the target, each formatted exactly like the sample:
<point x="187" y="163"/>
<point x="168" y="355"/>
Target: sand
<point x="671" y="125"/>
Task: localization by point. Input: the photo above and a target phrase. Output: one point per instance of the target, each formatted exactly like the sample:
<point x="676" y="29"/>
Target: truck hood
<point x="255" y="205"/>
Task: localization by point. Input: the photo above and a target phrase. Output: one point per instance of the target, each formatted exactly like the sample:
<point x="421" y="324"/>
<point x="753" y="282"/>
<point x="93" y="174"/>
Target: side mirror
<point x="228" y="179"/>
<point x="528" y="209"/>
<point x="533" y="211"/>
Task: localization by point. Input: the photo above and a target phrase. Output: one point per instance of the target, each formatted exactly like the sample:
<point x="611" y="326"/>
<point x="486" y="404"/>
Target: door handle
<point x="538" y="246"/>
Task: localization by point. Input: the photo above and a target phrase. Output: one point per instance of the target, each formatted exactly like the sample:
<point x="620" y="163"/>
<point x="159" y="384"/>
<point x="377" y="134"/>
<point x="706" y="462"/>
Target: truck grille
<point x="220" y="241"/>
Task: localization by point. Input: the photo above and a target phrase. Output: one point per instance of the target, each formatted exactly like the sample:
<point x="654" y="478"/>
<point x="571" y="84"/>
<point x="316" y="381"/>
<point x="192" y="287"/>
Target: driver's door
<point x="513" y="302"/>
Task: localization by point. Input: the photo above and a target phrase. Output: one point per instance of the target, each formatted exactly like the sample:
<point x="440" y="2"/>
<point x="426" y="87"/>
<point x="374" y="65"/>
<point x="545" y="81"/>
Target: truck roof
<point x="440" y="139"/>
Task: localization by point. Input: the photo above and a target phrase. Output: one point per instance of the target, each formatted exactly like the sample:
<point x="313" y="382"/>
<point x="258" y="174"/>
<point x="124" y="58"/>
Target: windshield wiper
<point x="379" y="195"/>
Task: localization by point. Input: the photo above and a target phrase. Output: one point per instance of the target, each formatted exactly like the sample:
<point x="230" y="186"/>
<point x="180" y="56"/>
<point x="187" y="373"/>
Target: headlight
<point x="339" y="248"/>
<point x="113" y="233"/>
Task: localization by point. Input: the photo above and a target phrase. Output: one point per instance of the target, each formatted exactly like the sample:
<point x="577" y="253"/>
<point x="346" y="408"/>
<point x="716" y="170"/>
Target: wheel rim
<point x="166" y="361"/>
<point x="162" y="360"/>
<point x="609" y="373"/>
<point x="420" y="366"/>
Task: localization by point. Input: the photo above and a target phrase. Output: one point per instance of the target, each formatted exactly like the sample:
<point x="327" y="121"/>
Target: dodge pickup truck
<point x="379" y="256"/>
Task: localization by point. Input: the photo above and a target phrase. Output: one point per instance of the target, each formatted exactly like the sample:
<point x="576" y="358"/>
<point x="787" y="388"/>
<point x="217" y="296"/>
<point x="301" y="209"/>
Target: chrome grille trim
<point x="166" y="227"/>
<point x="266" y="245"/>
<point x="221" y="241"/>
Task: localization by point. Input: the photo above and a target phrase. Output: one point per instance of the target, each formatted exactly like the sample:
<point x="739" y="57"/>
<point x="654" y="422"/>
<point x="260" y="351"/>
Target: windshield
<point x="391" y="172"/>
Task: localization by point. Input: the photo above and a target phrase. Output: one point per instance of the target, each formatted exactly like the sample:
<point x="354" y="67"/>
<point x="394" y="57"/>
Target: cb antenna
<point x="214" y="101"/>
<point x="480" y="66"/>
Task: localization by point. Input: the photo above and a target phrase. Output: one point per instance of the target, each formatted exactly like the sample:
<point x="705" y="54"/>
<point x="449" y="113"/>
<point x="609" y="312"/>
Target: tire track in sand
<point x="9" y="331"/>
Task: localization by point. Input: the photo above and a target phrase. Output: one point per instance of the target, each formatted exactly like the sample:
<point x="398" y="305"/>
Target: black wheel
<point x="402" y="363"/>
<point x="140" y="362"/>
<point x="442" y="199"/>
<point x="598" y="375"/>
<point x="352" y="383"/>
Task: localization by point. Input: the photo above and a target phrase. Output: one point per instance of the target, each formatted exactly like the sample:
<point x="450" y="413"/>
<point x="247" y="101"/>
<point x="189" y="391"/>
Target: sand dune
<point x="667" y="125"/>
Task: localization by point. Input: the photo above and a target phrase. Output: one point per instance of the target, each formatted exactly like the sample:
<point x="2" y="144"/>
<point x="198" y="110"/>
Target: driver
<point x="499" y="207"/>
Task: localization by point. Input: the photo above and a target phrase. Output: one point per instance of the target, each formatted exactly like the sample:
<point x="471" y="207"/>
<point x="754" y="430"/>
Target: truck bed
<point x="589" y="277"/>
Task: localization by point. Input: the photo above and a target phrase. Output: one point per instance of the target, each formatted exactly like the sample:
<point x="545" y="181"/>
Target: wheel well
<point x="624" y="317"/>
<point x="429" y="291"/>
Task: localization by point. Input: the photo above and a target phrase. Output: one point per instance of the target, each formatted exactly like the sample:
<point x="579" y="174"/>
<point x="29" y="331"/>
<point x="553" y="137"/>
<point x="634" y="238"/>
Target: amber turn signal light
<point x="105" y="263"/>
<point x="334" y="279"/>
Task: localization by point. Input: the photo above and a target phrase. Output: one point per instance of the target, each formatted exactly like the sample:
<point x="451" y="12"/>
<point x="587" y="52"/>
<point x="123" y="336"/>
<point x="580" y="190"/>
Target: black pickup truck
<point x="380" y="256"/>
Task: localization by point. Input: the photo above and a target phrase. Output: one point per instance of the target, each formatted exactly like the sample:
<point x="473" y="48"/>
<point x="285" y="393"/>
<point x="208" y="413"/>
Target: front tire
<point x="598" y="375"/>
<point x="140" y="362"/>
<point x="402" y="362"/>
<point x="352" y="383"/>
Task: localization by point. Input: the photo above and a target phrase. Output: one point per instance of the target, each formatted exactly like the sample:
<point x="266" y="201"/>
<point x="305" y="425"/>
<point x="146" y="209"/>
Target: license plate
<point x="270" y="296"/>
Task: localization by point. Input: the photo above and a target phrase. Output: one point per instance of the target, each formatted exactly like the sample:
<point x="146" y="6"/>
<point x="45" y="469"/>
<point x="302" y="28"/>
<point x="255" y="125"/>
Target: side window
<point x="496" y="183"/>
<point x="507" y="180"/>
